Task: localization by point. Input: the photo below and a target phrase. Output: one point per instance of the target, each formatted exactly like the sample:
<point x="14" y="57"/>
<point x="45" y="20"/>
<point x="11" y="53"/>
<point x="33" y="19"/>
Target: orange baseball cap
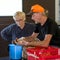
<point x="37" y="8"/>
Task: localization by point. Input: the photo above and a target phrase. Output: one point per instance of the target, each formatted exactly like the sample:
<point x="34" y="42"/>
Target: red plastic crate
<point x="41" y="53"/>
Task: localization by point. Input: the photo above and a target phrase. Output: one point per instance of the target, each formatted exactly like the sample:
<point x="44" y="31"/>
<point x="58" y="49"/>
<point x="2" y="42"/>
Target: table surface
<point x="4" y="58"/>
<point x="7" y="58"/>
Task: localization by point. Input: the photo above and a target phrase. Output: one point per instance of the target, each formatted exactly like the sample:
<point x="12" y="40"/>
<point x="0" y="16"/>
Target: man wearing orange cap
<point x="46" y="31"/>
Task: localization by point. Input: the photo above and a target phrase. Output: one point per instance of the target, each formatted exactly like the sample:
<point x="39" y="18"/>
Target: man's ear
<point x="45" y="12"/>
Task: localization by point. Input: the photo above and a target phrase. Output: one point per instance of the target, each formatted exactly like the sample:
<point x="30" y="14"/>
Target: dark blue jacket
<point x="12" y="31"/>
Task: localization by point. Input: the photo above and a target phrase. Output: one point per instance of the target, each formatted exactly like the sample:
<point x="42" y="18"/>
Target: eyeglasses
<point x="19" y="20"/>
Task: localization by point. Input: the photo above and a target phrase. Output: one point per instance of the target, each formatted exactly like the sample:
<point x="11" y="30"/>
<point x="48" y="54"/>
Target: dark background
<point x="7" y="20"/>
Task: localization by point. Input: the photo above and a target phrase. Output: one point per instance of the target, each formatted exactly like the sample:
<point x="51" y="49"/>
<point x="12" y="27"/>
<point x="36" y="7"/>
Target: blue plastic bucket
<point x="15" y="51"/>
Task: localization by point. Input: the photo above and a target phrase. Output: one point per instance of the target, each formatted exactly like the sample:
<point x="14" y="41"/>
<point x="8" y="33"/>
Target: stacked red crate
<point x="42" y="53"/>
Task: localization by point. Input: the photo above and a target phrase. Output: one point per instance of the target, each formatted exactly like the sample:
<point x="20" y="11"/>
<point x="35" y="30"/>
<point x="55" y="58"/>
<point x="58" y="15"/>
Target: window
<point x="9" y="7"/>
<point x="57" y="11"/>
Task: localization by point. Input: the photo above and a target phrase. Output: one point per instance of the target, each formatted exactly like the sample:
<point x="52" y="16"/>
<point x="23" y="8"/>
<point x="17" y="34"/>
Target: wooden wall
<point x="4" y="21"/>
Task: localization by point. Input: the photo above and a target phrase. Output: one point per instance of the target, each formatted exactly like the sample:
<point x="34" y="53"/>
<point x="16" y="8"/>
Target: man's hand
<point x="26" y="41"/>
<point x="20" y="42"/>
<point x="30" y="39"/>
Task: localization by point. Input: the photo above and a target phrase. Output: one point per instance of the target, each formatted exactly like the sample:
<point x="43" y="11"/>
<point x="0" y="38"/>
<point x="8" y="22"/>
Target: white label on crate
<point x="58" y="51"/>
<point x="57" y="59"/>
<point x="32" y="55"/>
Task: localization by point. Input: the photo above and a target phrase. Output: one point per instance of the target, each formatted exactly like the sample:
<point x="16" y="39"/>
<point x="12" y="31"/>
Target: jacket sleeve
<point x="6" y="33"/>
